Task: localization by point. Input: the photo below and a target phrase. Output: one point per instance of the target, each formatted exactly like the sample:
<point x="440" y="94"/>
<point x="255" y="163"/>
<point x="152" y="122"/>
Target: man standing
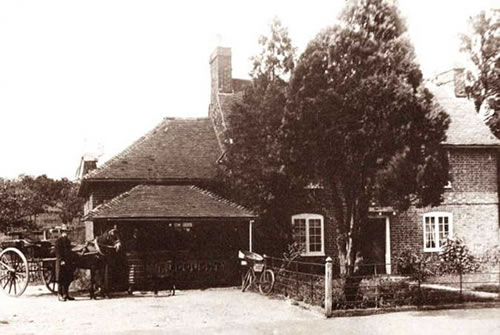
<point x="64" y="265"/>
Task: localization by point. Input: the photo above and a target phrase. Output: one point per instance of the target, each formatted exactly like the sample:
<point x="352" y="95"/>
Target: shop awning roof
<point x="168" y="202"/>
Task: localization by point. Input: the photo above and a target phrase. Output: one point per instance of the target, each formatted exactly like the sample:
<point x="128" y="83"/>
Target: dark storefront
<point x="183" y="235"/>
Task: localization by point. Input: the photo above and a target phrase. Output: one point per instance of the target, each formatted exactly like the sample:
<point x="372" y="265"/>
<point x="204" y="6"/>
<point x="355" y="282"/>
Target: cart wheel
<point x="14" y="273"/>
<point x="49" y="276"/>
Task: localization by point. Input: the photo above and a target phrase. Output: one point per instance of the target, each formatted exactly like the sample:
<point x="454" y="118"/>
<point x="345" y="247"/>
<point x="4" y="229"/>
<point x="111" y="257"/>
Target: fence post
<point x="419" y="281"/>
<point x="297" y="283"/>
<point x="312" y="290"/>
<point x="499" y="280"/>
<point x="460" y="276"/>
<point x="328" y="286"/>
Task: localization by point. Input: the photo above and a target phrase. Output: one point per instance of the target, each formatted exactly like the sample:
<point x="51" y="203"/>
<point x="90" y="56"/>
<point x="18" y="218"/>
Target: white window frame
<point x="436" y="215"/>
<point x="307" y="217"/>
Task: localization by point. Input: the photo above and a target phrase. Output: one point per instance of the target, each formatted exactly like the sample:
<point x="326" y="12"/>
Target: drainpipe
<point x="250" y="232"/>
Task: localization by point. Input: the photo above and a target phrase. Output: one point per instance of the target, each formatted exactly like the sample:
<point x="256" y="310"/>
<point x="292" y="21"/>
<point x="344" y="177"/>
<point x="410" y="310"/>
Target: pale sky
<point x="94" y="75"/>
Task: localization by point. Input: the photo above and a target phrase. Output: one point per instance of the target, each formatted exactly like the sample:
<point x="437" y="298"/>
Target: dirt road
<point x="37" y="312"/>
<point x="220" y="311"/>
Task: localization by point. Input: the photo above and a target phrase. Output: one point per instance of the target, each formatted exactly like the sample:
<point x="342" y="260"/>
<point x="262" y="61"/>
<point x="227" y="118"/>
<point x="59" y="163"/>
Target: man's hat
<point x="64" y="227"/>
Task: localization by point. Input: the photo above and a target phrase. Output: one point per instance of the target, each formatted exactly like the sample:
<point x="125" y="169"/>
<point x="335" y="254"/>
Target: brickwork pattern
<point x="473" y="170"/>
<point x="472" y="200"/>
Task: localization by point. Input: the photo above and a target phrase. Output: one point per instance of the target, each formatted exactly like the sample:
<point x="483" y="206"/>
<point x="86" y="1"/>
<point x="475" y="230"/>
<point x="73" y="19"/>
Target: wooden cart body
<point x="22" y="262"/>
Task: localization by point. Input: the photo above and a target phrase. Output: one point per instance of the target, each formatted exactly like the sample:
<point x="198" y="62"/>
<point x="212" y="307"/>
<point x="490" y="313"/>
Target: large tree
<point x="251" y="165"/>
<point x="482" y="45"/>
<point x="16" y="204"/>
<point x="27" y="196"/>
<point x="360" y="123"/>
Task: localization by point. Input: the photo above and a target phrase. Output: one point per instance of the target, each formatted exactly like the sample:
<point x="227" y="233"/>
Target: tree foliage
<point x="251" y="163"/>
<point x="360" y="123"/>
<point x="26" y="196"/>
<point x="482" y="46"/>
<point x="16" y="203"/>
<point x="456" y="257"/>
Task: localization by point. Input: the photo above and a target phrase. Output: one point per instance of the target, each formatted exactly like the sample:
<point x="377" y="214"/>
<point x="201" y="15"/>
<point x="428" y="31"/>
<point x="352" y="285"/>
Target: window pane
<point x="314" y="235"/>
<point x="437" y="228"/>
<point x="430" y="232"/>
<point x="300" y="232"/>
<point x="443" y="230"/>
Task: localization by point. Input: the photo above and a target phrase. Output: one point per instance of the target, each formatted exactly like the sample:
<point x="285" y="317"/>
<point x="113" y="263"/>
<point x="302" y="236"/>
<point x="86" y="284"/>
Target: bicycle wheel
<point x="247" y="280"/>
<point x="266" y="282"/>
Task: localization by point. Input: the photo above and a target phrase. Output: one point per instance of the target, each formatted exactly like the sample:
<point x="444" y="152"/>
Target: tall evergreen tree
<point x="360" y="123"/>
<point x="482" y="46"/>
<point x="251" y="164"/>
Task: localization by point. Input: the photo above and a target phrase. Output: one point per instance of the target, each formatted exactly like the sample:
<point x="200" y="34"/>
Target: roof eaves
<point x="146" y="181"/>
<point x="471" y="146"/>
<point x="125" y="152"/>
<point x="173" y="218"/>
<point x="94" y="213"/>
<point x="222" y="200"/>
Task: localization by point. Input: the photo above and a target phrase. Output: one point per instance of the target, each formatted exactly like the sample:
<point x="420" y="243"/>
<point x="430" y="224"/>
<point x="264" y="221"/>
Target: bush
<point x="415" y="265"/>
<point x="492" y="255"/>
<point x="455" y="257"/>
<point x="375" y="292"/>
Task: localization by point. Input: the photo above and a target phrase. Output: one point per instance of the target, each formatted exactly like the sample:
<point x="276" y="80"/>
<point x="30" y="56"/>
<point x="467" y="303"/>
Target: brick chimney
<point x="456" y="77"/>
<point x="459" y="78"/>
<point x="89" y="165"/>
<point x="221" y="71"/>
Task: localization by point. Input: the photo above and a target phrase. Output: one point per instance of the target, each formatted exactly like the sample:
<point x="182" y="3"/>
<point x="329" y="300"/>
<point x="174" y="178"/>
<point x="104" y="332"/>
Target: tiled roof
<point x="175" y="149"/>
<point x="168" y="201"/>
<point x="466" y="126"/>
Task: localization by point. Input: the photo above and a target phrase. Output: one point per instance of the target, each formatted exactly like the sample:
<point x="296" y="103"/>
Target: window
<point x="308" y="232"/>
<point x="437" y="226"/>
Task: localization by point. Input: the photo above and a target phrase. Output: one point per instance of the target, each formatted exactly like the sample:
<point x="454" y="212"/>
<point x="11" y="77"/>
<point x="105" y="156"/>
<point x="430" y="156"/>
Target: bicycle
<point x="256" y="268"/>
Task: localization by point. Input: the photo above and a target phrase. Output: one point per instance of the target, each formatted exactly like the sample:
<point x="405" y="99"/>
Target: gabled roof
<point x="168" y="201"/>
<point x="176" y="149"/>
<point x="466" y="126"/>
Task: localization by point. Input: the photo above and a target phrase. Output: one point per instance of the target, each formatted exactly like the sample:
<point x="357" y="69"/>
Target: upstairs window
<point x="437" y="227"/>
<point x="308" y="230"/>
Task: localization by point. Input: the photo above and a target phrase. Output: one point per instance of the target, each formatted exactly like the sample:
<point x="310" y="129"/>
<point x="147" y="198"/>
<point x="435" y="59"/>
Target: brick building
<point x="163" y="177"/>
<point x="470" y="207"/>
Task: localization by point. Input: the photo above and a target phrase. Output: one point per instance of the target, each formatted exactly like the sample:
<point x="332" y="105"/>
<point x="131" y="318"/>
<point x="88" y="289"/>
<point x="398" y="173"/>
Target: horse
<point x="97" y="256"/>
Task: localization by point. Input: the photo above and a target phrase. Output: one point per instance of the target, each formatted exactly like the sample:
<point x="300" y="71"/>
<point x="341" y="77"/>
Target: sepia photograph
<point x="249" y="167"/>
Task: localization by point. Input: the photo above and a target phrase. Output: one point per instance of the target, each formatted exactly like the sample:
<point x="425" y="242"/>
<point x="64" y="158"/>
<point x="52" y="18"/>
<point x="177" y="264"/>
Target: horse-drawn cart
<point x="23" y="260"/>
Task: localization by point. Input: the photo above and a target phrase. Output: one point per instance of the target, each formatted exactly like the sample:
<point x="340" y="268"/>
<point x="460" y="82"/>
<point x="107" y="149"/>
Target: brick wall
<point x="313" y="202"/>
<point x="473" y="170"/>
<point x="472" y="200"/>
<point x="221" y="71"/>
